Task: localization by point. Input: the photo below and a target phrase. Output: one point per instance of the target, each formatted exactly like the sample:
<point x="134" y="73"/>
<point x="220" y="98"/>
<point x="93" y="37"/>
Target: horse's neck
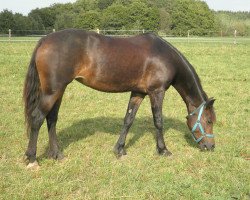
<point x="188" y="86"/>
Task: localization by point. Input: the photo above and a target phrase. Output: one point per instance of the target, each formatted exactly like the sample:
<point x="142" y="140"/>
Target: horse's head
<point x="200" y="122"/>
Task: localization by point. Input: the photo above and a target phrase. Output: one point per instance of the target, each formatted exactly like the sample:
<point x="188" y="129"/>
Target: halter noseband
<point x="200" y="109"/>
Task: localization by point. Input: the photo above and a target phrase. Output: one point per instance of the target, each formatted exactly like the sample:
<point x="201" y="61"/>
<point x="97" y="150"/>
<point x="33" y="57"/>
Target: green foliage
<point x="114" y="17"/>
<point x="145" y="17"/>
<point x="229" y="21"/>
<point x="136" y="15"/>
<point x="85" y="5"/>
<point x="48" y="16"/>
<point x="191" y="15"/>
<point x="7" y="20"/>
<point x="21" y="22"/>
<point x="103" y="4"/>
<point x="65" y="20"/>
<point x="174" y="17"/>
<point x="151" y="20"/>
<point x="59" y="8"/>
<point x="165" y="20"/>
<point x="37" y="21"/>
<point x="88" y="20"/>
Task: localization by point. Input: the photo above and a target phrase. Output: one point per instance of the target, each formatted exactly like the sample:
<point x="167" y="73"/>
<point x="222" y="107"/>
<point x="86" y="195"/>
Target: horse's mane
<point x="191" y="69"/>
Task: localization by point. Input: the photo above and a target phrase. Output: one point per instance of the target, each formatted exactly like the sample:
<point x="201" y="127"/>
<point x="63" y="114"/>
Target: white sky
<point x="232" y="5"/>
<point x="25" y="6"/>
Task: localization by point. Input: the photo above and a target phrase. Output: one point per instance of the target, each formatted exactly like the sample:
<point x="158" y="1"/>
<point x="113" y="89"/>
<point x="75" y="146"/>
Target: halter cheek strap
<point x="198" y="125"/>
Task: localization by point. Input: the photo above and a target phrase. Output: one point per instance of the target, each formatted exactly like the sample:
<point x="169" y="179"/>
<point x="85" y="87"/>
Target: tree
<point x="241" y="28"/>
<point x="60" y="8"/>
<point x="165" y="20"/>
<point x="88" y="20"/>
<point x="65" y="20"/>
<point x="123" y="2"/>
<point x="137" y="12"/>
<point x="151" y="19"/>
<point x="22" y="24"/>
<point x="103" y="4"/>
<point x="85" y="5"/>
<point x="227" y="22"/>
<point x="169" y="16"/>
<point x="192" y="15"/>
<point x="48" y="16"/>
<point x="115" y="17"/>
<point x="37" y="22"/>
<point x="6" y="21"/>
<point x="136" y="15"/>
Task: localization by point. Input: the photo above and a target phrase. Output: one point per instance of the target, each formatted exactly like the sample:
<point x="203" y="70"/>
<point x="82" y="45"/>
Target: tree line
<point x="173" y="17"/>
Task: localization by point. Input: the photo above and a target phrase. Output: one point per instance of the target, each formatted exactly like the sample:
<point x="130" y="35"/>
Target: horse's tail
<point x="31" y="91"/>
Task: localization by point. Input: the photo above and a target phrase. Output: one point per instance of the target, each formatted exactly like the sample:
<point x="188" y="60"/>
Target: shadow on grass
<point x="84" y="128"/>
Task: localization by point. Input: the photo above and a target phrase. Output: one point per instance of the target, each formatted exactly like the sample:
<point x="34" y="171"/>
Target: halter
<point x="200" y="109"/>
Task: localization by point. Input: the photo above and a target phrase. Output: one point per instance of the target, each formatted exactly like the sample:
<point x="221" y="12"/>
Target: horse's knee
<point x="37" y="118"/>
<point x="51" y="120"/>
<point x="158" y="124"/>
<point x="128" y="121"/>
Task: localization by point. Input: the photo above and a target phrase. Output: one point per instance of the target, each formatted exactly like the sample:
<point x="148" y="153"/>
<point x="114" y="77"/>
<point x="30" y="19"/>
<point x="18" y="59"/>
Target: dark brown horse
<point x="144" y="64"/>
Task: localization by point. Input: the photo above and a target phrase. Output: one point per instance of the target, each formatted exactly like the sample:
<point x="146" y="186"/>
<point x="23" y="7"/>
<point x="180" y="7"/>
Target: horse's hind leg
<point x="51" y="124"/>
<point x="156" y="99"/>
<point x="133" y="105"/>
<point x="47" y="101"/>
<point x="37" y="120"/>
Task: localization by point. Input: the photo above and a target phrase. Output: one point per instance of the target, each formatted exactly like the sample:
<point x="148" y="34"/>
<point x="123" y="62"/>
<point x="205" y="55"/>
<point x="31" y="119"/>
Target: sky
<point x="231" y="5"/>
<point x="25" y="6"/>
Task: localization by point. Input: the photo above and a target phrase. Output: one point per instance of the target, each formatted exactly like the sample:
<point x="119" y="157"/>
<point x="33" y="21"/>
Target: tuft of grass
<point x="89" y="124"/>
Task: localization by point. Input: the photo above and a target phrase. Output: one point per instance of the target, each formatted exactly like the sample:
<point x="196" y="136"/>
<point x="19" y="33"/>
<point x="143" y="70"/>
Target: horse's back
<point x="103" y="63"/>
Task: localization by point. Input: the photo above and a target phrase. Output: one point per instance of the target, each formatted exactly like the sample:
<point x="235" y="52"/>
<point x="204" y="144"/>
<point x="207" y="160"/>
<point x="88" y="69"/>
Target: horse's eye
<point x="209" y="121"/>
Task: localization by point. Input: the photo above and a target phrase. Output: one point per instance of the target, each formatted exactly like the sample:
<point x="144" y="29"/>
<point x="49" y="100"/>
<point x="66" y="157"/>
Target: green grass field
<point x="90" y="122"/>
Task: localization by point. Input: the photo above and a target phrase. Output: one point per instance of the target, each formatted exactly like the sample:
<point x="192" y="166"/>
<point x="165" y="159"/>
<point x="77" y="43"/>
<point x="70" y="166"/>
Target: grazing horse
<point x="143" y="64"/>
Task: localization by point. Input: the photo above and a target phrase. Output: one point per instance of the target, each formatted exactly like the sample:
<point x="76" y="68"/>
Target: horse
<point x="144" y="64"/>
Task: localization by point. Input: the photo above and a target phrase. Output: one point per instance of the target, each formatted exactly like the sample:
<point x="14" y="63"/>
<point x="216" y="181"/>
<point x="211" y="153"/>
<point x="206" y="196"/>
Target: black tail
<point x="31" y="92"/>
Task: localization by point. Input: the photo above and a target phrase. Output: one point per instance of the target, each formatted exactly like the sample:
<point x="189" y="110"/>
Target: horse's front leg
<point x="156" y="99"/>
<point x="133" y="106"/>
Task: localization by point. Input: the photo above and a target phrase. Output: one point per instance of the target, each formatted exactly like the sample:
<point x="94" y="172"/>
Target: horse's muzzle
<point x="207" y="146"/>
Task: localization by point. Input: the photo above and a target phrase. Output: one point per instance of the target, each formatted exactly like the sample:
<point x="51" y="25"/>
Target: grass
<point x="90" y="122"/>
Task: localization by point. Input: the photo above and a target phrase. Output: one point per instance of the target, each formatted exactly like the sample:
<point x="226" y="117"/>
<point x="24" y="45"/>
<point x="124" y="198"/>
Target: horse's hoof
<point x="25" y="159"/>
<point x="55" y="155"/>
<point x="33" y="166"/>
<point x="119" y="152"/>
<point x="28" y="159"/>
<point x="60" y="156"/>
<point x="165" y="152"/>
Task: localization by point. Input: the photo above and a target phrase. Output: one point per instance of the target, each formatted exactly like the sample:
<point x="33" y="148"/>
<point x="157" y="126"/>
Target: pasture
<point x="89" y="125"/>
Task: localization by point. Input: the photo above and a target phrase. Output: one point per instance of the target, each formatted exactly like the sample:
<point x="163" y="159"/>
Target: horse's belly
<point x="109" y="85"/>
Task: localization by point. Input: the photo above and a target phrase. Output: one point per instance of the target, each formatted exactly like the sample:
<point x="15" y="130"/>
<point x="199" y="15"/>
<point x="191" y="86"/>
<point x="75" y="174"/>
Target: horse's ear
<point x="210" y="102"/>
